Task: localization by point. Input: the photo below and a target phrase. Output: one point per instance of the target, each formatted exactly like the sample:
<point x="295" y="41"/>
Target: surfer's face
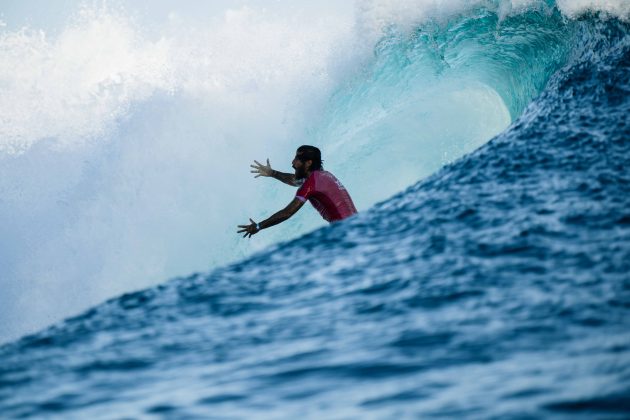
<point x="300" y="167"/>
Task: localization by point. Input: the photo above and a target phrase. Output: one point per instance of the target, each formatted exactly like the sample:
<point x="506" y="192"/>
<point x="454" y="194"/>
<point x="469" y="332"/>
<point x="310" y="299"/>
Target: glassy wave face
<point x="497" y="287"/>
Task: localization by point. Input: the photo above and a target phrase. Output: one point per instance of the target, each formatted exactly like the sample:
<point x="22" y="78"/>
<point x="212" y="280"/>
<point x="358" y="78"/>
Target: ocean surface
<point x="495" y="285"/>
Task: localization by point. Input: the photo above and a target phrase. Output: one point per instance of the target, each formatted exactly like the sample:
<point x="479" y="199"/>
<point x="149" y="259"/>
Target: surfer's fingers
<point x="258" y="163"/>
<point x="268" y="164"/>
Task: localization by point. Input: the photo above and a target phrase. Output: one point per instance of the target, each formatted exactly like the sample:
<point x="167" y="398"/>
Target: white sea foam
<point x="72" y="87"/>
<point x="575" y="8"/>
<point x="377" y="16"/>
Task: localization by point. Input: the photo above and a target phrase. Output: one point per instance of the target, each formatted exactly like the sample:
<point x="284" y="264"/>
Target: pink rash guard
<point x="327" y="195"/>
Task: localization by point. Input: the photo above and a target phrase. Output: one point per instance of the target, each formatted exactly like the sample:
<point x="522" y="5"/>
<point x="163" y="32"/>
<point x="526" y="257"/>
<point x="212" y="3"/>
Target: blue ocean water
<point x="498" y="287"/>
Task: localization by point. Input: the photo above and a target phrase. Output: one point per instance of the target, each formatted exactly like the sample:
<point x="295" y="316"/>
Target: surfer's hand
<point x="260" y="169"/>
<point x="249" y="229"/>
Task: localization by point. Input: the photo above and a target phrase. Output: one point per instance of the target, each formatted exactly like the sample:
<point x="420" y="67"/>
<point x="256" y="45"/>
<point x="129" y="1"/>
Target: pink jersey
<point x="327" y="195"/>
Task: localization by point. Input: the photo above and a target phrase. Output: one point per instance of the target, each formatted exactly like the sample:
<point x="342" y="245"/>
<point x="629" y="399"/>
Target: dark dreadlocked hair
<point x="306" y="152"/>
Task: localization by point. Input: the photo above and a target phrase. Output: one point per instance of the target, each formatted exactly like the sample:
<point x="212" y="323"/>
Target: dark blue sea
<point x="496" y="287"/>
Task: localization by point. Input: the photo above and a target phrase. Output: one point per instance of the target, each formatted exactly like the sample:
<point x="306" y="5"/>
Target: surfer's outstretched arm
<point x="265" y="170"/>
<point x="274" y="219"/>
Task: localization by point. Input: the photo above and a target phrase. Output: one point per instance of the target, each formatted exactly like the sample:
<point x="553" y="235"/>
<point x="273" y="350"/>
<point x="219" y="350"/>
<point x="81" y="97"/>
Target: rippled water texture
<point x="498" y="287"/>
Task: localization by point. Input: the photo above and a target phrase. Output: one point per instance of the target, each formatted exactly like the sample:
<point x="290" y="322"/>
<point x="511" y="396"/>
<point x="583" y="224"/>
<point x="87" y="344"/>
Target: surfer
<point x="316" y="185"/>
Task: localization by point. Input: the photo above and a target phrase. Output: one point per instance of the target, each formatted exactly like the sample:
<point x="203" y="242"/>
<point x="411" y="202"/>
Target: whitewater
<point x="485" y="144"/>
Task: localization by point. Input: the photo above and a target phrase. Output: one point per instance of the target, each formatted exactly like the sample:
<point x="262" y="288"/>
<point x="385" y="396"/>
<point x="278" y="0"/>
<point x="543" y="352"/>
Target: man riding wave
<point x="320" y="187"/>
